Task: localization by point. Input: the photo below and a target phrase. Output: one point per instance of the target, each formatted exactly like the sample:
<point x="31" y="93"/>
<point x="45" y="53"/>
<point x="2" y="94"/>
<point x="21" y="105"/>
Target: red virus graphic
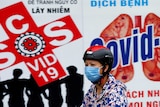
<point x="30" y="44"/>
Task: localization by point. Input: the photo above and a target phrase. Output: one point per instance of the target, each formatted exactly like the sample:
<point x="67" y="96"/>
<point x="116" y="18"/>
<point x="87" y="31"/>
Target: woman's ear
<point x="106" y="68"/>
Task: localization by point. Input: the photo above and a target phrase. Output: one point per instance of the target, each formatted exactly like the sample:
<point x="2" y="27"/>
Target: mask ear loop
<point x="103" y="75"/>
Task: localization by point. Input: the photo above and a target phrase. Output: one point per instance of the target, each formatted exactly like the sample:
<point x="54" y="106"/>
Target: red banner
<point x="24" y="41"/>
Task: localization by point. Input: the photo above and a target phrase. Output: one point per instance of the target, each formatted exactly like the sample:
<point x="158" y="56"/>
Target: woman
<point x="105" y="90"/>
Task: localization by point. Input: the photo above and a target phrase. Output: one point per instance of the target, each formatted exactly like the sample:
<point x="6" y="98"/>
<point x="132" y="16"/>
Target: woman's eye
<point x="86" y="64"/>
<point x="93" y="65"/>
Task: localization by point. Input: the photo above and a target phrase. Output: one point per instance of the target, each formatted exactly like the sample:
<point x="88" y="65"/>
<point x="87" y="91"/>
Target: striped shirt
<point x="112" y="95"/>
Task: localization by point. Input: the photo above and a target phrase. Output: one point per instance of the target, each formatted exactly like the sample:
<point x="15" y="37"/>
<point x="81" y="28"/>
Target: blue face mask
<point x="92" y="73"/>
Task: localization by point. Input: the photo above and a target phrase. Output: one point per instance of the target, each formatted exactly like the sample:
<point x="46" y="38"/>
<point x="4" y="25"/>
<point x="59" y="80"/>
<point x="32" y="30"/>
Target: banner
<point x="44" y="37"/>
<point x="130" y="28"/>
<point x="38" y="37"/>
